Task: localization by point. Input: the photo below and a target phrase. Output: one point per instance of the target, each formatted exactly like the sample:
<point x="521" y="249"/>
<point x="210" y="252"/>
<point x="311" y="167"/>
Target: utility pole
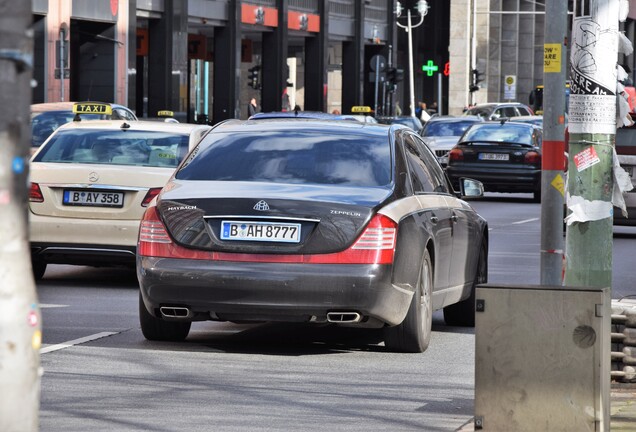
<point x="552" y="178"/>
<point x="20" y="330"/>
<point x="422" y="10"/>
<point x="592" y="130"/>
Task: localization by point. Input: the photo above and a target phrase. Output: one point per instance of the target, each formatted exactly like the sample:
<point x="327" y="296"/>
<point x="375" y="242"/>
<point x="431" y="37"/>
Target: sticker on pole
<point x="552" y="58"/>
<point x="559" y="184"/>
<point x="592" y="104"/>
<point x="585" y="159"/>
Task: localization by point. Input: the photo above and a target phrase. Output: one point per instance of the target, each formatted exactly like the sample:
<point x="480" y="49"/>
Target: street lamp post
<point x="422" y="10"/>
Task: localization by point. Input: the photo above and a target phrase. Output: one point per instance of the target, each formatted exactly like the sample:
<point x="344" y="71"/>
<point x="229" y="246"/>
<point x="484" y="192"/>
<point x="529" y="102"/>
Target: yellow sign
<point x="552" y="58"/>
<point x="165" y="113"/>
<point x="92" y="108"/>
<point x="559" y="184"/>
<point x="361" y="109"/>
<point x="510" y="80"/>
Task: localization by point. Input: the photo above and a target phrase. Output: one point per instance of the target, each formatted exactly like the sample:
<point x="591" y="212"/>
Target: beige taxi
<point x="90" y="184"/>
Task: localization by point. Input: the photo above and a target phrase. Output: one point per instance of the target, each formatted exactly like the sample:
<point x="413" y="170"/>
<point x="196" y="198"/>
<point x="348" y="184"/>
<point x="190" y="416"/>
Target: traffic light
<point x="394" y="75"/>
<point x="254" y="77"/>
<point x="478" y="77"/>
<point x="390" y="75"/>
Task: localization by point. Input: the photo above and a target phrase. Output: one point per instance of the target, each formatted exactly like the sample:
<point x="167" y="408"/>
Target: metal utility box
<point x="542" y="358"/>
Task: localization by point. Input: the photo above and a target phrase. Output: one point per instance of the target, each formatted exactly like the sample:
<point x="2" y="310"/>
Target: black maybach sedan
<point x="316" y="221"/>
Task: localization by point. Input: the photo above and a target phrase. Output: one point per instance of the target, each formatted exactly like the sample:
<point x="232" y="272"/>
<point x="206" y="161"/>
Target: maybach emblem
<point x="261" y="206"/>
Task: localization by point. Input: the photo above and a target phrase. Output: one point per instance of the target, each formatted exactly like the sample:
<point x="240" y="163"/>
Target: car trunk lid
<point x="251" y="217"/>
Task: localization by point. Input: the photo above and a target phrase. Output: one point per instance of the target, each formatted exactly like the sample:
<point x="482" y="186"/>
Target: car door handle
<point x="434" y="219"/>
<point x="454" y="217"/>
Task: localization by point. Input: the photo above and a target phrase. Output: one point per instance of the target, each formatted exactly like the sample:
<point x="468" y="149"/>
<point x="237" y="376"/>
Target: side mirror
<point x="469" y="188"/>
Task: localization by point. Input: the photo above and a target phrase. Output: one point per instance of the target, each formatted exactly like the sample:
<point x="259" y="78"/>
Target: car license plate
<point x="260" y="231"/>
<point x="93" y="198"/>
<point x="494" y="156"/>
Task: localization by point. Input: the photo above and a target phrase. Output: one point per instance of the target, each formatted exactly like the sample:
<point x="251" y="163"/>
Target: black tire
<point x="462" y="314"/>
<point x="39" y="268"/>
<point x="414" y="333"/>
<point x="156" y="329"/>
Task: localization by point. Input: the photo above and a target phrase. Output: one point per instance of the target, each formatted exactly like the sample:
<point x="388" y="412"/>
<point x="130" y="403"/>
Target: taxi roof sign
<point x="165" y="113"/>
<point x="92" y="108"/>
<point x="361" y="109"/>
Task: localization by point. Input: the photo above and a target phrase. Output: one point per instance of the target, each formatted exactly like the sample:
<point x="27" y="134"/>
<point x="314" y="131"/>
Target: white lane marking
<point x="524" y="221"/>
<point x="68" y="344"/>
<point x="45" y="306"/>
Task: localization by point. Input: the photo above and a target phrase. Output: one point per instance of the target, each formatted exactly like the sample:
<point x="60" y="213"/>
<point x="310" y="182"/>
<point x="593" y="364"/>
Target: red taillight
<point x="35" y="194"/>
<point x="456" y="155"/>
<point x="532" y="157"/>
<point x="376" y="245"/>
<point x="152" y="193"/>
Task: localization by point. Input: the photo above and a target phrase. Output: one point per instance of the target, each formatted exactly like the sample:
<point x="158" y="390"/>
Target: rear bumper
<point x="83" y="254"/>
<point x="236" y="291"/>
<point x="498" y="180"/>
<point x="83" y="241"/>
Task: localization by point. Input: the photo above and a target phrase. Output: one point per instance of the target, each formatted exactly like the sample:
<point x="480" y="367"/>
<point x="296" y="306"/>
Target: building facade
<point x="199" y="58"/>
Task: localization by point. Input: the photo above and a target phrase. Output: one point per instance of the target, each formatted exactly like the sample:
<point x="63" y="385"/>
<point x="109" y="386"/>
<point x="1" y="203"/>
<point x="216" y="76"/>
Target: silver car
<point x="441" y="133"/>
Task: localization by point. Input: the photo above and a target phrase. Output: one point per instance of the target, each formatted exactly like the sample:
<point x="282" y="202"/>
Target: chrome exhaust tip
<point x="343" y="317"/>
<point x="175" y="312"/>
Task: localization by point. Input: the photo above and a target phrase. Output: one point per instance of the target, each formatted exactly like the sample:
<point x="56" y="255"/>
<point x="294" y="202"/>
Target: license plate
<point x="260" y="231"/>
<point x="92" y="198"/>
<point x="494" y="156"/>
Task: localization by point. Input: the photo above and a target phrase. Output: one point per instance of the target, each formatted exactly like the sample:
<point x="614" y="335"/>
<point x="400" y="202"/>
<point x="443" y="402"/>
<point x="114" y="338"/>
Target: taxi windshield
<point x="115" y="147"/>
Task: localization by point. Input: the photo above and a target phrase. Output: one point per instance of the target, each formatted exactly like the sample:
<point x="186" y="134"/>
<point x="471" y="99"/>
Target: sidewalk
<point x="622" y="409"/>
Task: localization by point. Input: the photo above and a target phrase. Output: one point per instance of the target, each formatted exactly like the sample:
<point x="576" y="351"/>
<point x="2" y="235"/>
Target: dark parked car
<point x="47" y="117"/>
<point x="311" y="221"/>
<point x="504" y="156"/>
<point x="626" y="150"/>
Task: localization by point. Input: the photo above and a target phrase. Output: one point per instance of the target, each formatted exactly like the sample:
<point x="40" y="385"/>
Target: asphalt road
<point x="101" y="374"/>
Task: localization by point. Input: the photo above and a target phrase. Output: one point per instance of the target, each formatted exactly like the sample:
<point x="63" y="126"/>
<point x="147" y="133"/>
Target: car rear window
<point x="442" y="128"/>
<point x="479" y="111"/>
<point x="508" y="133"/>
<point x="43" y="124"/>
<point x="115" y="147"/>
<point x="292" y="156"/>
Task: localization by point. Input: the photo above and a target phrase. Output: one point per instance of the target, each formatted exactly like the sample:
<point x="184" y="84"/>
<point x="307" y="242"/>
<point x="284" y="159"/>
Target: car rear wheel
<point x="414" y="333"/>
<point x="39" y="268"/>
<point x="159" y="330"/>
<point x="536" y="196"/>
<point x="463" y="313"/>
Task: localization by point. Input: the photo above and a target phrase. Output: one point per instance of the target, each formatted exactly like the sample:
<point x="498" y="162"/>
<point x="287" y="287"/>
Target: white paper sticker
<point x="592" y="106"/>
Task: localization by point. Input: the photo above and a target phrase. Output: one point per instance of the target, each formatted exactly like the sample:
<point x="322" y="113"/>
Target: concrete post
<point x="592" y="128"/>
<point x="20" y="334"/>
